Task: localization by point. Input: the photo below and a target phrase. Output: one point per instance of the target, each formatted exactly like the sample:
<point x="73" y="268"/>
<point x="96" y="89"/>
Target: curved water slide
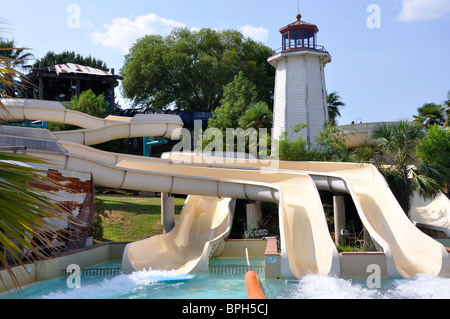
<point x="198" y="235"/>
<point x="95" y="130"/>
<point x="409" y="251"/>
<point x="307" y="245"/>
<point x="433" y="213"/>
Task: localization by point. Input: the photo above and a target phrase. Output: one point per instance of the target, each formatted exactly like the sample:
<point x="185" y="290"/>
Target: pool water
<point x="146" y="285"/>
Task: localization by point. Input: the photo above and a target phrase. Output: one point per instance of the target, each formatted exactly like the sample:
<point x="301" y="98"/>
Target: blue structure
<point x="149" y="142"/>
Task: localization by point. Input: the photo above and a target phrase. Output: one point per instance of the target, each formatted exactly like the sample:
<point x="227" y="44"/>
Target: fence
<point x="234" y="269"/>
<point x="95" y="272"/>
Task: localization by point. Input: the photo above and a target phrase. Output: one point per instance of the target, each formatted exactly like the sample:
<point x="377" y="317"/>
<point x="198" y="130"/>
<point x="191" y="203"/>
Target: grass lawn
<point x="131" y="218"/>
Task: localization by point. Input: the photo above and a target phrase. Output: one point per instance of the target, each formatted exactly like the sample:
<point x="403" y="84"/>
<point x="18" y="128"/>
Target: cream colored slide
<point x="95" y="130"/>
<point x="307" y="245"/>
<point x="200" y="232"/>
<point x="409" y="251"/>
<point x="433" y="213"/>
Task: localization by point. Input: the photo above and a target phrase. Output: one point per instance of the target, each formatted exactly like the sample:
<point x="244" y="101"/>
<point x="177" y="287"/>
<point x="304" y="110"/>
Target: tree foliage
<point x="434" y="150"/>
<point x="447" y="110"/>
<point x="52" y="58"/>
<point x="430" y="114"/>
<point x="393" y="149"/>
<point x="330" y="146"/>
<point x="334" y="104"/>
<point x="188" y="69"/>
<point x="90" y="103"/>
<point x="18" y="58"/>
<point x="238" y="96"/>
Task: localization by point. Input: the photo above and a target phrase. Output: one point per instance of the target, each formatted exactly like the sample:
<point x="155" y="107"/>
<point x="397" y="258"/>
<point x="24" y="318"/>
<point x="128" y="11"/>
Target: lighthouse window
<point x="296" y="39"/>
<point x="308" y="37"/>
<point x="285" y="40"/>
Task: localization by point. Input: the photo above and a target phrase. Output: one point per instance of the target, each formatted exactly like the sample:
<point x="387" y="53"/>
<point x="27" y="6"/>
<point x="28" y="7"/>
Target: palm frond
<point x="429" y="180"/>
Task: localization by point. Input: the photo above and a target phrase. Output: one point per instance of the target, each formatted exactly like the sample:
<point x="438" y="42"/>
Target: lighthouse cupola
<point x="300" y="35"/>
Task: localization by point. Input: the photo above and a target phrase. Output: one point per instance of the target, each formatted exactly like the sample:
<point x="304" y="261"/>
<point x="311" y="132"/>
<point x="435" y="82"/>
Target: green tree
<point x="393" y="149"/>
<point x="430" y="114"/>
<point x="330" y="144"/>
<point x="90" y="103"/>
<point x="18" y="58"/>
<point x="447" y="110"/>
<point x="189" y="69"/>
<point x="240" y="111"/>
<point x="257" y="116"/>
<point x="435" y="150"/>
<point x="51" y="58"/>
<point x="12" y="60"/>
<point x="238" y="96"/>
<point x="334" y="104"/>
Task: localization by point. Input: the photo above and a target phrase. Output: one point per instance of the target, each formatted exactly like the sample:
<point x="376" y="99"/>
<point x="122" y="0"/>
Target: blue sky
<point x="389" y="57"/>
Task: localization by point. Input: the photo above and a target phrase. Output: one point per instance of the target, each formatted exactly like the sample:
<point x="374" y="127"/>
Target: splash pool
<point x="147" y="285"/>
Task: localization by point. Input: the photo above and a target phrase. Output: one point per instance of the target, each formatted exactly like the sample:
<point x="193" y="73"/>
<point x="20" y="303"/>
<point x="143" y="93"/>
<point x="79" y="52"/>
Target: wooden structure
<point x="63" y="82"/>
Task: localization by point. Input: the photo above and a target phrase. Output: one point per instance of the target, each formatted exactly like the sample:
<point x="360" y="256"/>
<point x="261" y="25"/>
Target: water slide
<point x="432" y="213"/>
<point x="198" y="235"/>
<point x="308" y="247"/>
<point x="306" y="243"/>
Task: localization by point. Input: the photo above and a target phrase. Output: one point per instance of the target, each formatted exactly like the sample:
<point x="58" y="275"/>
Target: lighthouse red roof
<point x="299" y="25"/>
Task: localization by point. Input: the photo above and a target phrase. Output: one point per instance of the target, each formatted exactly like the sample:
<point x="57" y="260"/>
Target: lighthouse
<point x="300" y="94"/>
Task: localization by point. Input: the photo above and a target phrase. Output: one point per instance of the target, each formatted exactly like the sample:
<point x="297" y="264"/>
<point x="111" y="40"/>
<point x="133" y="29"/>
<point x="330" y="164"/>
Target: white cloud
<point x="256" y="33"/>
<point x="123" y="32"/>
<point x="423" y="10"/>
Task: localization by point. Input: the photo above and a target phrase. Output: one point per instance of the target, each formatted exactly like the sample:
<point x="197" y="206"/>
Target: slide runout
<point x="201" y="228"/>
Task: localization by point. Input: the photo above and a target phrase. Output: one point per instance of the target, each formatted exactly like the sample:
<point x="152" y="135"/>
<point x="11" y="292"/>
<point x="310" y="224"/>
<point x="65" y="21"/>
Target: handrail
<point x="234" y="269"/>
<point x="95" y="272"/>
<point x="316" y="47"/>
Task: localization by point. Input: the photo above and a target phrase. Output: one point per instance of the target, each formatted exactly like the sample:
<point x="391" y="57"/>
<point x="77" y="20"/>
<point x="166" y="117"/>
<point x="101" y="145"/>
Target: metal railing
<point x="14" y="149"/>
<point x="212" y="269"/>
<point x="319" y="48"/>
<point x="95" y="272"/>
<point x="234" y="269"/>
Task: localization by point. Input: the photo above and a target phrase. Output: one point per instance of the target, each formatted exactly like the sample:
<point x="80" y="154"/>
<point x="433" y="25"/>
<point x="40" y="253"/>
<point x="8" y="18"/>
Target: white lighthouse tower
<point x="300" y="94"/>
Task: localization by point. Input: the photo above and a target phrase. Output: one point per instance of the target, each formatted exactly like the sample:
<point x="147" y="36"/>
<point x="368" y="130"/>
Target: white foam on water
<point x="124" y="285"/>
<point x="326" y="287"/>
<point x="423" y="287"/>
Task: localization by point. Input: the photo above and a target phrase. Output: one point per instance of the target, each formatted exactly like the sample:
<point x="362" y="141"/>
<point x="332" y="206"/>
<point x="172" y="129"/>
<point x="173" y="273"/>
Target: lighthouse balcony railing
<point x="319" y="48"/>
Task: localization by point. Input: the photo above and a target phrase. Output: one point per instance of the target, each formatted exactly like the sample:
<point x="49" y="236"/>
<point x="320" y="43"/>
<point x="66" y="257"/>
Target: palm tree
<point x="393" y="151"/>
<point x="334" y="103"/>
<point x="447" y="110"/>
<point x="17" y="57"/>
<point x="27" y="214"/>
<point x="430" y="114"/>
